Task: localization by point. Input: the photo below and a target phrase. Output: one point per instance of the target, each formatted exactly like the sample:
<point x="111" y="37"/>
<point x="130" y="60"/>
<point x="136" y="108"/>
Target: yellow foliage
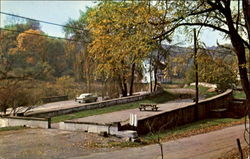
<point x="121" y="35"/>
<point x="29" y="42"/>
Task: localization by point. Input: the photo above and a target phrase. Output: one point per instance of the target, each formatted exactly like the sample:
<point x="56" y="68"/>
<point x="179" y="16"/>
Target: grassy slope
<point x="161" y="98"/>
<point x="198" y="127"/>
<point x="195" y="128"/>
<point x="204" y="91"/>
<point x="239" y="95"/>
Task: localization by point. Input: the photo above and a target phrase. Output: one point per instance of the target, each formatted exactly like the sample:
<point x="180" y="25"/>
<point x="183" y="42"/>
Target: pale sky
<point x="60" y="11"/>
<point x="52" y="11"/>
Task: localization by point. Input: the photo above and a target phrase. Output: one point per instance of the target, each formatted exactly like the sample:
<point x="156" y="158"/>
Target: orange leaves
<point x="29" y="41"/>
<point x="30" y="60"/>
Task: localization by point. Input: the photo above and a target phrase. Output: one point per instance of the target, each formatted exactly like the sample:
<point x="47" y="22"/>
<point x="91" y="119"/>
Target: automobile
<point x="86" y="97"/>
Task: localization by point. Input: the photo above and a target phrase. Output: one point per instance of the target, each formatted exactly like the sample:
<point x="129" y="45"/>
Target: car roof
<point x="86" y="94"/>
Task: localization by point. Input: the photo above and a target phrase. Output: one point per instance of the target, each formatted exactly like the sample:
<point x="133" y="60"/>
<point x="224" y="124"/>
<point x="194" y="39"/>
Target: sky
<point x="60" y="11"/>
<point x="52" y="11"/>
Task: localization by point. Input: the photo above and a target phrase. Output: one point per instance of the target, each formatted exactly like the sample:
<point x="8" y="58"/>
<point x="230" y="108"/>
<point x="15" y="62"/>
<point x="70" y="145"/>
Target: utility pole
<point x="196" y="77"/>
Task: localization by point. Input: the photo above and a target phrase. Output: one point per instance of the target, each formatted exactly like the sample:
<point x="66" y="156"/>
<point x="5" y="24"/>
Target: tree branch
<point x="182" y="17"/>
<point x="193" y="24"/>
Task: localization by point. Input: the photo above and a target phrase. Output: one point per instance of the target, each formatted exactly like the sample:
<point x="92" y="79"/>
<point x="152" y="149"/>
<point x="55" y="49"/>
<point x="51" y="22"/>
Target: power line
<point x="41" y="21"/>
<point x="40" y="35"/>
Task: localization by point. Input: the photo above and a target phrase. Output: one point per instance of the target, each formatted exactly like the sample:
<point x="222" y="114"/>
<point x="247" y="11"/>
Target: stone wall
<point x="238" y="108"/>
<point x="95" y="105"/>
<point x="24" y="121"/>
<point x="54" y="99"/>
<point x="89" y="127"/>
<point x="184" y="115"/>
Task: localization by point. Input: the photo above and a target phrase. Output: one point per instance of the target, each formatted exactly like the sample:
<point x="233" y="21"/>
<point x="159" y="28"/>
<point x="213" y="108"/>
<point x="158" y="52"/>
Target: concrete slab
<point x="123" y="116"/>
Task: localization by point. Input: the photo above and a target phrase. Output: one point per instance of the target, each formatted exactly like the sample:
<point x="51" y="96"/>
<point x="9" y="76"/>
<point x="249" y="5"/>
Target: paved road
<point x="72" y="103"/>
<point x="57" y="105"/>
<point x="54" y="106"/>
<point x="203" y="146"/>
<point x="123" y="116"/>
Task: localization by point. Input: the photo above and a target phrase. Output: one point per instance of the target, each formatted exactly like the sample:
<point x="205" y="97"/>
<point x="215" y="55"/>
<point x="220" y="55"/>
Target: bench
<point x="144" y="105"/>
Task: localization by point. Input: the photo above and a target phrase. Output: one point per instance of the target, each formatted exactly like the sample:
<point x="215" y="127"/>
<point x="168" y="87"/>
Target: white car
<point x="86" y="97"/>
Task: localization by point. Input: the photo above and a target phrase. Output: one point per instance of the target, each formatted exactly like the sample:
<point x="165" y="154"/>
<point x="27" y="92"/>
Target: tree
<point x="122" y="39"/>
<point x="31" y="42"/>
<point x="14" y="93"/>
<point x="57" y="58"/>
<point x="83" y="65"/>
<point x="17" y="67"/>
<point x="215" y="66"/>
<point x="221" y="16"/>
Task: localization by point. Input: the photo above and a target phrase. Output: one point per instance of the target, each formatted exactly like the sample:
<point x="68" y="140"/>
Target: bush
<point x="214" y="70"/>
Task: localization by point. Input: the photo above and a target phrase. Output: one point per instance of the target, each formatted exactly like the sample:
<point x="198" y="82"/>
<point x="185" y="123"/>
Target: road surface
<point x="123" y="116"/>
<point x="203" y="146"/>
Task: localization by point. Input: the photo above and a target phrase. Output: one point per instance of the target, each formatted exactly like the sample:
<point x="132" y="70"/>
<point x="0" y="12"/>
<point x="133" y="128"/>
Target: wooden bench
<point x="145" y="105"/>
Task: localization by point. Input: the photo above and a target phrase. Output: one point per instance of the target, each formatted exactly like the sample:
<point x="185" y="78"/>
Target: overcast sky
<point x="60" y="11"/>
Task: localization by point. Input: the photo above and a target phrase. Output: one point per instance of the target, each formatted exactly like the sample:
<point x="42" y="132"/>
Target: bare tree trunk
<point x="246" y="11"/>
<point x="150" y="74"/>
<point x="238" y="45"/>
<point x="125" y="92"/>
<point x="132" y="79"/>
<point x="155" y="77"/>
<point x="123" y="86"/>
<point x="196" y="78"/>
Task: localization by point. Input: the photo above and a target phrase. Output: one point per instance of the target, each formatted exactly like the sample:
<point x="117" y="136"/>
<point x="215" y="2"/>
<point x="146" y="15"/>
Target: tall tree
<point x="83" y="65"/>
<point x="122" y="38"/>
<point x="226" y="16"/>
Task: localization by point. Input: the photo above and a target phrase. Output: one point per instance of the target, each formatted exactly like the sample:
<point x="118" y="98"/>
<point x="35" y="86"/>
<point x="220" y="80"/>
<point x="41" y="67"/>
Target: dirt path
<point x="50" y="144"/>
<point x="203" y="146"/>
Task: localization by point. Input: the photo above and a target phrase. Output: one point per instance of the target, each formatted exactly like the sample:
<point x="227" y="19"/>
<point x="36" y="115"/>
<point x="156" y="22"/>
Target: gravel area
<point x="50" y="144"/>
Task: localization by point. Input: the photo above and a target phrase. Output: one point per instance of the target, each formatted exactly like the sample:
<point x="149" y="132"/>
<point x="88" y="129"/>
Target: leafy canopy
<point x="122" y="35"/>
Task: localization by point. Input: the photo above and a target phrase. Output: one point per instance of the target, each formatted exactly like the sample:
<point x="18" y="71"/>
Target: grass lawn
<point x="195" y="128"/>
<point x="239" y="95"/>
<point x="161" y="98"/>
<point x="198" y="127"/>
<point x="204" y="91"/>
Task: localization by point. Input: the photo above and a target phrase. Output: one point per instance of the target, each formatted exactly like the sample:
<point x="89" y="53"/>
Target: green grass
<point x="204" y="91"/>
<point x="192" y="127"/>
<point x="161" y="98"/>
<point x="13" y="128"/>
<point x="239" y="95"/>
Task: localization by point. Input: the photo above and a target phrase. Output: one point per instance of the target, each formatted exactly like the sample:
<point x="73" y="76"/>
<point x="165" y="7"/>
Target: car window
<point x="82" y="95"/>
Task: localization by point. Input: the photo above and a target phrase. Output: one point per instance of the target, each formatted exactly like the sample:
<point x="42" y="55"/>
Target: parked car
<point x="86" y="97"/>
